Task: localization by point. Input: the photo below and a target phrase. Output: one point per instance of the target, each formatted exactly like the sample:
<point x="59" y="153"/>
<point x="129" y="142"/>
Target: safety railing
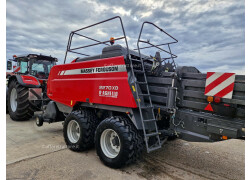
<point x="158" y="46"/>
<point x="77" y="33"/>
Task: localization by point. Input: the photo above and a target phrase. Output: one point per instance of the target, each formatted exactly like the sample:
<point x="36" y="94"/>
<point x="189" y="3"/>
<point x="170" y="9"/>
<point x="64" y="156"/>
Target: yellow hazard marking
<point x="133" y="87"/>
<point x="71" y="102"/>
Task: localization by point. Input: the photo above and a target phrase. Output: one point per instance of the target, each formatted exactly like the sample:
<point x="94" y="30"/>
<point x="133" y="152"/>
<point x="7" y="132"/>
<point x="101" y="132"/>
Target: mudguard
<point x="26" y="81"/>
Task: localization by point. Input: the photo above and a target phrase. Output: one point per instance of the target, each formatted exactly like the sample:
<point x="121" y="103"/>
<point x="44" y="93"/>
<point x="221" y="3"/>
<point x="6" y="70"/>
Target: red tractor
<point x="27" y="85"/>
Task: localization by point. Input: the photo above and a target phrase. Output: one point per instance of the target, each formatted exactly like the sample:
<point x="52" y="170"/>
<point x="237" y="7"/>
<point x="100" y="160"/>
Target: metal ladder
<point x="142" y="108"/>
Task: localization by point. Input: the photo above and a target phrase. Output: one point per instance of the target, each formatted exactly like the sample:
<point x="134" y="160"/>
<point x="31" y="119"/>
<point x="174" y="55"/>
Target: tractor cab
<point x="33" y="64"/>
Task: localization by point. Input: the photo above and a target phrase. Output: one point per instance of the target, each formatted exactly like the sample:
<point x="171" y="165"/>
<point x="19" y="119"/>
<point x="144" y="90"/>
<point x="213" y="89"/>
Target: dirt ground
<point x="40" y="153"/>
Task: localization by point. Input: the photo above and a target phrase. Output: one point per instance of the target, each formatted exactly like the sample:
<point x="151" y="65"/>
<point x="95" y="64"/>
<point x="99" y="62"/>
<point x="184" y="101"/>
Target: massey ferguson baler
<point x="122" y="99"/>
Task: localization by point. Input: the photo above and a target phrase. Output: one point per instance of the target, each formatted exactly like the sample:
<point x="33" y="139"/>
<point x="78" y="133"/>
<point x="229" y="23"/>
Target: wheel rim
<point x="110" y="143"/>
<point x="37" y="120"/>
<point x="13" y="99"/>
<point x="73" y="131"/>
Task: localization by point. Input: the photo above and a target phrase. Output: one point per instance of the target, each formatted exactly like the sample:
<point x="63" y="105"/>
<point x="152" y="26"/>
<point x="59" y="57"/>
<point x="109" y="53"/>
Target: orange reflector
<point x="210" y="98"/>
<point x="14" y="56"/>
<point x="112" y="40"/>
<point x="224" y="137"/>
<point x="209" y="107"/>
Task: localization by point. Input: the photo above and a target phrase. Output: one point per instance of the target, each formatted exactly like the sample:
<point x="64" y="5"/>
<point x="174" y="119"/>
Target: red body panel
<point x="30" y="80"/>
<point x="110" y="88"/>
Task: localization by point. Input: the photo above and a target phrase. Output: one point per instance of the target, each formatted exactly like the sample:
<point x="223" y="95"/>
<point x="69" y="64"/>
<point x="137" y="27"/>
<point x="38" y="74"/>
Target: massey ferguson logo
<point x="108" y="91"/>
<point x="94" y="70"/>
<point x="100" y="70"/>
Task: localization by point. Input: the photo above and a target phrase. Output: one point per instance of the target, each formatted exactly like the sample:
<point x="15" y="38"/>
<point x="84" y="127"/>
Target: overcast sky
<point x="211" y="34"/>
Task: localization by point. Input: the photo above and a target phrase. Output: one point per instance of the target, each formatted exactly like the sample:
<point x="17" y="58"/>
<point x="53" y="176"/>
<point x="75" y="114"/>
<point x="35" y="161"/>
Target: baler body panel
<point x="86" y="82"/>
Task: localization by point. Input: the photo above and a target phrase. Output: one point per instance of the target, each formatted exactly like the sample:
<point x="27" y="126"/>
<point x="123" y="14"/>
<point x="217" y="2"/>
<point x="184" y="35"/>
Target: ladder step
<point x="136" y="60"/>
<point x="152" y="134"/>
<point x="153" y="148"/>
<point x="149" y="120"/>
<point x="138" y="71"/>
<point x="141" y="82"/>
<point x="144" y="94"/>
<point x="147" y="107"/>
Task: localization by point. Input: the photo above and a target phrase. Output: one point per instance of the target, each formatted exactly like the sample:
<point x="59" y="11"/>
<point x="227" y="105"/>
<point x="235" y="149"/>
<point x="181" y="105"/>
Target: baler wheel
<point x="118" y="142"/>
<point x="19" y="105"/>
<point x="79" y="129"/>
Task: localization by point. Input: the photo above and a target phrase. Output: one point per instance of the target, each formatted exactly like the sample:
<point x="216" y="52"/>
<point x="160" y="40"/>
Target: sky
<point x="210" y="34"/>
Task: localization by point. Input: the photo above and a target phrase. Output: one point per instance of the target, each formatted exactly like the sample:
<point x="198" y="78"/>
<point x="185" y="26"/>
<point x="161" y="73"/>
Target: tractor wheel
<point x="79" y="130"/>
<point x="118" y="142"/>
<point x="19" y="106"/>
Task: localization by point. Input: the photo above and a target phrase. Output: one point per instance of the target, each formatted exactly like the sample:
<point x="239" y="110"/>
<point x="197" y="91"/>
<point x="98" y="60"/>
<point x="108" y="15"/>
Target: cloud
<point x="211" y="34"/>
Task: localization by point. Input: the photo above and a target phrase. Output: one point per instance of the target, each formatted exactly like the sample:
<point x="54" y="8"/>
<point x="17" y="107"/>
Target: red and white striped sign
<point x="16" y="68"/>
<point x="220" y="84"/>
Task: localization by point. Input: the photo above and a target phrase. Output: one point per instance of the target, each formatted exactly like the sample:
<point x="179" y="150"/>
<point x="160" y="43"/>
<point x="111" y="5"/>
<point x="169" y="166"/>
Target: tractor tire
<point x="19" y="106"/>
<point x="118" y="142"/>
<point x="79" y="130"/>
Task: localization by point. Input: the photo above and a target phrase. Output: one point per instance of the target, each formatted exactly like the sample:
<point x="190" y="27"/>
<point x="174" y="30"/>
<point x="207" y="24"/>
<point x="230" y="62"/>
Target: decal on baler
<point x="220" y="84"/>
<point x="108" y="91"/>
<point x="94" y="70"/>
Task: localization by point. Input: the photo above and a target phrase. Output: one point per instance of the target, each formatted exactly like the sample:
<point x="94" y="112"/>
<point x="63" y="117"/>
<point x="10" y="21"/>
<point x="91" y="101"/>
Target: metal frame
<point x="158" y="45"/>
<point x="98" y="42"/>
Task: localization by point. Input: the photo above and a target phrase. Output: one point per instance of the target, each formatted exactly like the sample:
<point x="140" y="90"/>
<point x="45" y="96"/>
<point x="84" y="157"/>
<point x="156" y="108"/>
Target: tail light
<point x="217" y="99"/>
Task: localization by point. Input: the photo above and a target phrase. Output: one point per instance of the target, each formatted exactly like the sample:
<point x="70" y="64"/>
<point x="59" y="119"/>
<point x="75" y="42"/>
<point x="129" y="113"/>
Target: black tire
<point x="7" y="111"/>
<point x="39" y="121"/>
<point x="88" y="122"/>
<point x="131" y="143"/>
<point x="24" y="109"/>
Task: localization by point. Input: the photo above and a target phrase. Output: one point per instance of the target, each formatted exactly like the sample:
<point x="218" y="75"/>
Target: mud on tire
<point x="131" y="142"/>
<point x="87" y="122"/>
<point x="23" y="109"/>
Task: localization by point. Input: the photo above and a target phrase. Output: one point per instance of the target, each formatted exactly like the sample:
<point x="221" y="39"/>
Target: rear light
<point x="217" y="99"/>
<point x="210" y="99"/>
<point x="224" y="137"/>
<point x="14" y="56"/>
<point x="227" y="105"/>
